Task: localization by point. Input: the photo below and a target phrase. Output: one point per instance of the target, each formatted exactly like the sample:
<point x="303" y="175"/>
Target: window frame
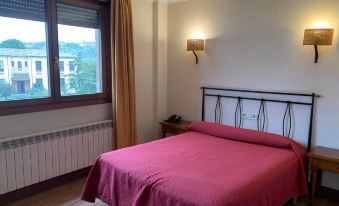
<point x="56" y="101"/>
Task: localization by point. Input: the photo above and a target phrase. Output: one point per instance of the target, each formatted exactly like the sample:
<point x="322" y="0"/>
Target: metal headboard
<point x="287" y="120"/>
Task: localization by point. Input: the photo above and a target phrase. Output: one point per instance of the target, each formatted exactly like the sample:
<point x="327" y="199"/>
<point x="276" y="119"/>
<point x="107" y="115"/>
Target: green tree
<point x="13" y="43"/>
<point x="6" y="90"/>
<point x="84" y="81"/>
<point x="38" y="91"/>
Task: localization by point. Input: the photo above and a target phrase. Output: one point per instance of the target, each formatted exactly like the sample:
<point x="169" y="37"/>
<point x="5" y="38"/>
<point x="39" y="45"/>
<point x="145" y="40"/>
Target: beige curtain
<point x="124" y="111"/>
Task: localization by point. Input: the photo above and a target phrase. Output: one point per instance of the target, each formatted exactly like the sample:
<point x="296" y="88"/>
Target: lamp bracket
<point x="316" y="54"/>
<point x="196" y="57"/>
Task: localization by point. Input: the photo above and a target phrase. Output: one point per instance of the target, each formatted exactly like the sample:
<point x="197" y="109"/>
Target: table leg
<point x="314" y="178"/>
<point x="163" y="132"/>
<point x="319" y="180"/>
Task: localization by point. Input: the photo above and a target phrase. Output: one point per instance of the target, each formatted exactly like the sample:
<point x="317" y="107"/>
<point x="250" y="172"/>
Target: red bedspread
<point x="209" y="165"/>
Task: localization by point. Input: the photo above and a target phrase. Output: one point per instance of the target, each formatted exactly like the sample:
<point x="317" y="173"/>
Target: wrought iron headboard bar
<point x="258" y="92"/>
<point x="312" y="97"/>
<point x="258" y="99"/>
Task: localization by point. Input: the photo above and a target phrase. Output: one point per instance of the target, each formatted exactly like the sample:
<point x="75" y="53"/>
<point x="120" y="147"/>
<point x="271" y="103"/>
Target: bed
<point x="211" y="164"/>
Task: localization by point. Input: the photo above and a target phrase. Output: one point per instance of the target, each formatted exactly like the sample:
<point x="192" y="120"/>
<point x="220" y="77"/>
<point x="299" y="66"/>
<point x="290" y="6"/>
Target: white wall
<point x="160" y="62"/>
<point x="15" y="125"/>
<point x="255" y="45"/>
<point x="150" y="65"/>
<point x="143" y="50"/>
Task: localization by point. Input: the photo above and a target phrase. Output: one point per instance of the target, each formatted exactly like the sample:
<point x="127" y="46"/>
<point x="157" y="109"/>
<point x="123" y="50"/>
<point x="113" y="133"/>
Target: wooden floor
<point x="69" y="195"/>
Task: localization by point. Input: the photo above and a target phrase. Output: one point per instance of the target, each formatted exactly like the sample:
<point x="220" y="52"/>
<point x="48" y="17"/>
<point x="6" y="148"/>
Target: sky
<point x="33" y="31"/>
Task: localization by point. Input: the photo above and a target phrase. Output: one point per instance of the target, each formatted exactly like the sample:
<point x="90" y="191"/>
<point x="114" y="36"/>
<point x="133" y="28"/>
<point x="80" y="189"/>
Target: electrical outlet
<point x="249" y="116"/>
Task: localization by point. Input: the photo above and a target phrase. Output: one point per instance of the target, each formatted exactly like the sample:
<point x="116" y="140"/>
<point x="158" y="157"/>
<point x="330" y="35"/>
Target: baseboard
<point x="39" y="187"/>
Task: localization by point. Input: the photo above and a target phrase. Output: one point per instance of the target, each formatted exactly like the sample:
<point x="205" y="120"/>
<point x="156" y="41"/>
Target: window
<point x="2" y="68"/>
<point x="23" y="27"/>
<point x="38" y="67"/>
<point x="86" y="67"/>
<point x="2" y="81"/>
<point x="72" y="66"/>
<point x="61" y="66"/>
<point x="82" y="43"/>
<point x="19" y="65"/>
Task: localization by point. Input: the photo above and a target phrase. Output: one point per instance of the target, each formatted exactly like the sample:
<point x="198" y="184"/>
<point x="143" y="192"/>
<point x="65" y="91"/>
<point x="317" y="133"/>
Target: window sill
<point x="52" y="106"/>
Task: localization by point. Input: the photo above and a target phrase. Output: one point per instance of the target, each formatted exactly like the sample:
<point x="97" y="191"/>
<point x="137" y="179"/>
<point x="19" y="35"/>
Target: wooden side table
<point x="174" y="128"/>
<point x="322" y="158"/>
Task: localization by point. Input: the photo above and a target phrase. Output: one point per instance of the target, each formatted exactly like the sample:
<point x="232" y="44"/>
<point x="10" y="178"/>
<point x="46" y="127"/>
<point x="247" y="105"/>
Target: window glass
<point x="22" y="40"/>
<point x="83" y="52"/>
<point x="62" y="85"/>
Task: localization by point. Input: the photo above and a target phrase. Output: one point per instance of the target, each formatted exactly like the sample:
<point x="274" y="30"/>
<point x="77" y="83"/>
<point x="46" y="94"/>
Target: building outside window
<point x="21" y="87"/>
<point x="2" y="81"/>
<point x="39" y="83"/>
<point x="72" y="66"/>
<point x="26" y="64"/>
<point x="12" y="64"/>
<point x="62" y="85"/>
<point x="61" y="66"/>
<point x="2" y="68"/>
<point x="19" y="65"/>
<point x="38" y="67"/>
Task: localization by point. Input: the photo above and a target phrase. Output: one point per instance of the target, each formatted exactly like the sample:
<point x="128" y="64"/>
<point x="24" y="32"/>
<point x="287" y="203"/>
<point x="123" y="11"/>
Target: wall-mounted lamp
<point x="196" y="45"/>
<point x="318" y="37"/>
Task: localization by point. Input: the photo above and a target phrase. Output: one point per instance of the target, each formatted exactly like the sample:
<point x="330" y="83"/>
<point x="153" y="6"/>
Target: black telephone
<point x="174" y="118"/>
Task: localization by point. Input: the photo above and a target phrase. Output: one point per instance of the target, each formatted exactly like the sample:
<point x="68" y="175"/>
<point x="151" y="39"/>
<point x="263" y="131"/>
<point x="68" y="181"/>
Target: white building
<point x="22" y="68"/>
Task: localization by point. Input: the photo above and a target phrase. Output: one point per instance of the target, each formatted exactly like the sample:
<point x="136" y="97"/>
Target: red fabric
<point x="245" y="135"/>
<point x="196" y="168"/>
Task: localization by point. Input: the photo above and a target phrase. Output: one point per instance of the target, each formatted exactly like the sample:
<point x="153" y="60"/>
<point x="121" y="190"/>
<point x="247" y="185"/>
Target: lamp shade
<point x="318" y="36"/>
<point x="195" y="44"/>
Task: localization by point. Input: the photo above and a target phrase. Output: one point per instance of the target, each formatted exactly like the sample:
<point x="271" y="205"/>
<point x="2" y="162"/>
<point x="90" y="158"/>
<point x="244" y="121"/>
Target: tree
<point x="84" y="81"/>
<point x="13" y="43"/>
<point x="38" y="91"/>
<point x="6" y="90"/>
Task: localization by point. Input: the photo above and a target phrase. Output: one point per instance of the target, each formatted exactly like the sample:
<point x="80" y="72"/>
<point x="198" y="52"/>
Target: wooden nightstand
<point x="174" y="128"/>
<point x="322" y="158"/>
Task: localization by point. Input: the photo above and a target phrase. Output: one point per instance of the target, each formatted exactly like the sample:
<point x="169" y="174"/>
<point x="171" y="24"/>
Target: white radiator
<point x="31" y="159"/>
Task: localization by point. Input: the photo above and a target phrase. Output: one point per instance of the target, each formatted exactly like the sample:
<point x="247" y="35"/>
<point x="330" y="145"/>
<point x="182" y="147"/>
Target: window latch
<point x="56" y="61"/>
